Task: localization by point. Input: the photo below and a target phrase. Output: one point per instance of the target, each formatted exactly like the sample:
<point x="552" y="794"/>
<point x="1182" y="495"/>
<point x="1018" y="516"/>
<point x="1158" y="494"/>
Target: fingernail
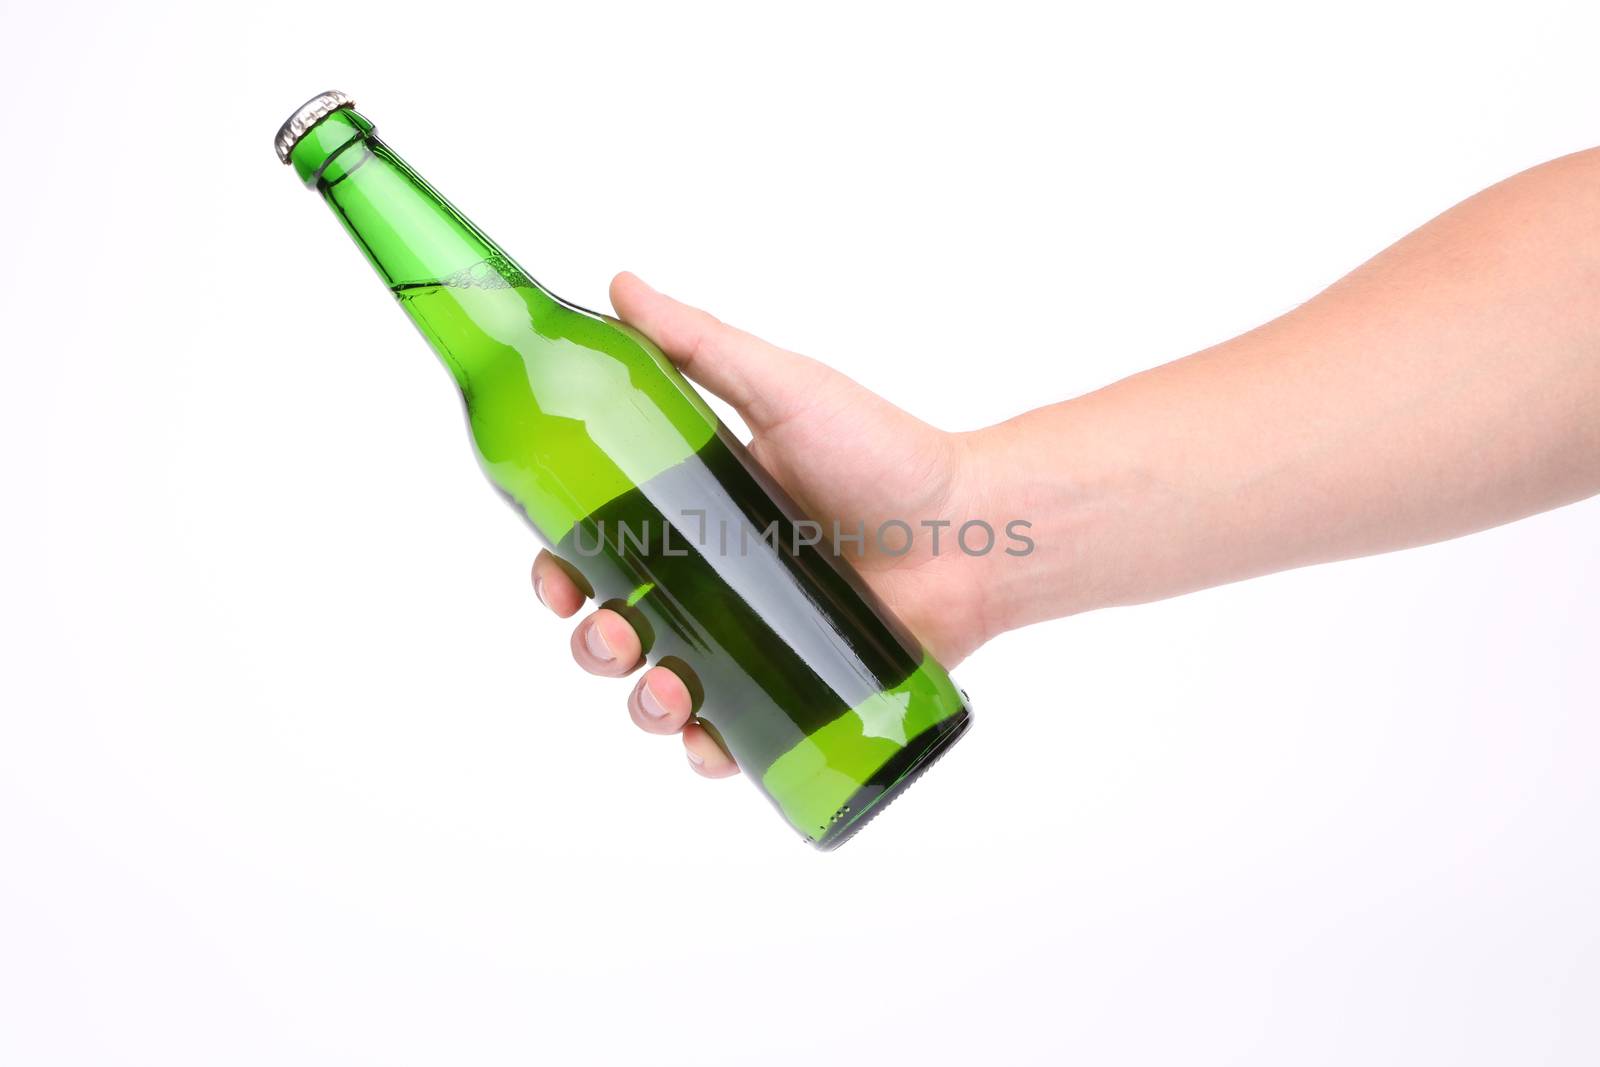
<point x="695" y="759"/>
<point x="595" y="642"/>
<point x="649" y="704"/>
<point x="538" y="590"/>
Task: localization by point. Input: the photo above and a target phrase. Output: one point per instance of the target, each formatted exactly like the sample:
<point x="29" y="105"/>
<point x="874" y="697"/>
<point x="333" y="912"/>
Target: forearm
<point x="1450" y="384"/>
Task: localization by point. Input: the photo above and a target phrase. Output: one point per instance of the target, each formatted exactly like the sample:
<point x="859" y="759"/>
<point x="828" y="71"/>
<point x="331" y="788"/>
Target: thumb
<point x="765" y="384"/>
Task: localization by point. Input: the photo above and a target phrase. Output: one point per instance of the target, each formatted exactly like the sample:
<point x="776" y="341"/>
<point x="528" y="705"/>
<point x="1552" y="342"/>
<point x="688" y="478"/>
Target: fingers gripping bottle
<point x="802" y="675"/>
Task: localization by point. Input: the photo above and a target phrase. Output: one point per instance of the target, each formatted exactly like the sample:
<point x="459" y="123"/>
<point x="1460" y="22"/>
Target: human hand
<point x="844" y="454"/>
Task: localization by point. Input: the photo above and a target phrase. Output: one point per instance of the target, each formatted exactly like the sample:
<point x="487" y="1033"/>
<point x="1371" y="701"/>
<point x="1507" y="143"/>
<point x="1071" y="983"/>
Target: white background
<point x="293" y="771"/>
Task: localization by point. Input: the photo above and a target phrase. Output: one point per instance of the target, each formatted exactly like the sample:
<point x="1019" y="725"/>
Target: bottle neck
<point x="410" y="233"/>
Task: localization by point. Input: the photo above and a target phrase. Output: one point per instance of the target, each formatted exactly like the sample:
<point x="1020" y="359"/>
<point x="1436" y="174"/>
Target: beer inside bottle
<point x="796" y="668"/>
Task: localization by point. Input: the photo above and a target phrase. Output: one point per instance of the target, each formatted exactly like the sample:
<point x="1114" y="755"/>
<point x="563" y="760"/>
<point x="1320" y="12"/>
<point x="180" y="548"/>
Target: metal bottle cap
<point x="306" y="116"/>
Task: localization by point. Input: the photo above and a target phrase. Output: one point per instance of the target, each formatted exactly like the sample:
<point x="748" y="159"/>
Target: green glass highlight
<point x="798" y="670"/>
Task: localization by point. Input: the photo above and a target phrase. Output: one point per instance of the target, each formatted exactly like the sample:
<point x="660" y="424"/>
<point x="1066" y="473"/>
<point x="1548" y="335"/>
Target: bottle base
<point x="893" y="778"/>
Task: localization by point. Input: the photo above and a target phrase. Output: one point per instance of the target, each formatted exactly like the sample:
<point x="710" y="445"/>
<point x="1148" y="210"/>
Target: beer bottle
<point x="797" y="669"/>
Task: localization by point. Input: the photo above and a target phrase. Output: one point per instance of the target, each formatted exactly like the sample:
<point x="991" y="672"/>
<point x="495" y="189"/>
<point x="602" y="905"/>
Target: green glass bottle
<point x="798" y="670"/>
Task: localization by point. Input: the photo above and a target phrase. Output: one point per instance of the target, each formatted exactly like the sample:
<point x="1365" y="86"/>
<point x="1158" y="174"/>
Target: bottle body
<point x="797" y="669"/>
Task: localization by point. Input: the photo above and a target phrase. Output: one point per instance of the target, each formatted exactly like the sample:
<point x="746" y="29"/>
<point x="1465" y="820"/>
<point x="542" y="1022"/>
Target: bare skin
<point x="1450" y="384"/>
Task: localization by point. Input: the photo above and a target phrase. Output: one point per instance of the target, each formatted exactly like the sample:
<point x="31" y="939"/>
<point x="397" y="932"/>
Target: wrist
<point x="1065" y="510"/>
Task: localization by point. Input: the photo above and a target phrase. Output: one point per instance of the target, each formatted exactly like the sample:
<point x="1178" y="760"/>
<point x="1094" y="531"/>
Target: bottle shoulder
<point x="567" y="408"/>
<point x="486" y="328"/>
